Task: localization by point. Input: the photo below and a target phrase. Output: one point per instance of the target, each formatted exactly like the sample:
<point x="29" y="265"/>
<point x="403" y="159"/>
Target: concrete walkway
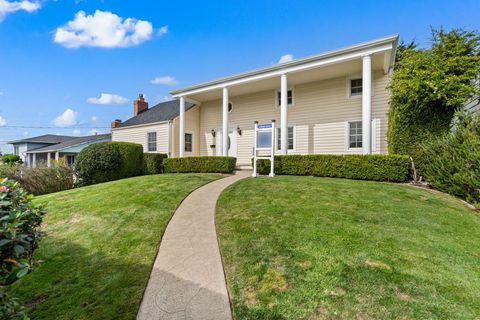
<point x="187" y="280"/>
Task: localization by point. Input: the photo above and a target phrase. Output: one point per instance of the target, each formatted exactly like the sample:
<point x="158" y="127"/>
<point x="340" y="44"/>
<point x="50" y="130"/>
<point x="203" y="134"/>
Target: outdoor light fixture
<point x="239" y="131"/>
<point x="213" y="133"/>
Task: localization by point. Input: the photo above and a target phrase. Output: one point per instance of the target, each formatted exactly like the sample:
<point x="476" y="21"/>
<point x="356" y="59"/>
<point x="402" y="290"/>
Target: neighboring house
<point x="48" y="147"/>
<point x="473" y="104"/>
<point x="331" y="103"/>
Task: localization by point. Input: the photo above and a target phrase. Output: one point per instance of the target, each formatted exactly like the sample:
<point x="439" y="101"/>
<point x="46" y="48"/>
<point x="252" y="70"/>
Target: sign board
<point x="264" y="142"/>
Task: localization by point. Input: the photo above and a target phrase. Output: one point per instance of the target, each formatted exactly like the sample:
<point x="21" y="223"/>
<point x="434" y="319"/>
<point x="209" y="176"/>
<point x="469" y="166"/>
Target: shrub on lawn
<point x="41" y="179"/>
<point x="20" y="234"/>
<point x="200" y="164"/>
<point x="376" y="167"/>
<point x="10" y="158"/>
<point x="453" y="161"/>
<point x="153" y="163"/>
<point x="107" y="161"/>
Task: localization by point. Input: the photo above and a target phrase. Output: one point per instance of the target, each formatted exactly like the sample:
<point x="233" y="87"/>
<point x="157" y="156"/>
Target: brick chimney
<point x="116" y="123"/>
<point x="139" y="105"/>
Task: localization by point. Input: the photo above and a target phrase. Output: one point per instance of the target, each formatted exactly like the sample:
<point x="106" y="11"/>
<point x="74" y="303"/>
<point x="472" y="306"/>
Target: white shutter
<point x="374" y="135"/>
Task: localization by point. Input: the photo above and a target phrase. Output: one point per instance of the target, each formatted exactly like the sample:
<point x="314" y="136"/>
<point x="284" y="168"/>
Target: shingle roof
<point x="163" y="111"/>
<point x="46" y="138"/>
<point x="70" y="143"/>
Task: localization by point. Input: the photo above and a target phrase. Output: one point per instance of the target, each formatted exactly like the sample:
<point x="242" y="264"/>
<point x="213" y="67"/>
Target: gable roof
<point x="71" y="142"/>
<point x="163" y="111"/>
<point x="46" y="138"/>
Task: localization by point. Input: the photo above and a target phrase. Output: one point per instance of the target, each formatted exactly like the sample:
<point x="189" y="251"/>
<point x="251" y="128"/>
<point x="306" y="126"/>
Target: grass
<point x="320" y="248"/>
<point x="100" y="245"/>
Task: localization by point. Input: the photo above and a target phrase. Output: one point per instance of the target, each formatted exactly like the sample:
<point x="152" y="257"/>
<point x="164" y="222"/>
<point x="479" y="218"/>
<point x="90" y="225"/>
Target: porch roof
<point x="386" y="47"/>
<point x="70" y="143"/>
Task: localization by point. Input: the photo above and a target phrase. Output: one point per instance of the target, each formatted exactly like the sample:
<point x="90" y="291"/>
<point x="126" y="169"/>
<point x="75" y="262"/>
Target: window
<point x="15" y="150"/>
<point x="188" y="142"/>
<point x="230" y="107"/>
<point x="355" y="134"/>
<point x="355" y="87"/>
<point x="290" y="140"/>
<point x="289" y="97"/>
<point x="152" y="141"/>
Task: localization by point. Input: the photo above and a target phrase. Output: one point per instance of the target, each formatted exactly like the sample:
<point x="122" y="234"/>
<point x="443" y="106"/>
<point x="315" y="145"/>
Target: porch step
<point x="244" y="167"/>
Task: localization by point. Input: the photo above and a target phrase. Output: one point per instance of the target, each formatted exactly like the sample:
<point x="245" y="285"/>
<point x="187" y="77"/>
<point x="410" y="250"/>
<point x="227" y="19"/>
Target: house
<point x="47" y="147"/>
<point x="332" y="103"/>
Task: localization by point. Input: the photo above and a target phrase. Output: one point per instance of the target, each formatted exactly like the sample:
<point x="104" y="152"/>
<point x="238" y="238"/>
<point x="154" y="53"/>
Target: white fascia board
<point x="141" y="125"/>
<point x="292" y="69"/>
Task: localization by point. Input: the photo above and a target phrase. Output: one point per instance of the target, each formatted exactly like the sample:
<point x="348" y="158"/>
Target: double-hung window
<point x="152" y="141"/>
<point x="188" y="142"/>
<point x="356" y="87"/>
<point x="289" y="98"/>
<point x="355" y="134"/>
<point x="290" y="139"/>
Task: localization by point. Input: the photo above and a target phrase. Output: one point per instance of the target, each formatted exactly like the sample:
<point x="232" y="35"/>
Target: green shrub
<point x="453" y="161"/>
<point x="20" y="234"/>
<point x="153" y="163"/>
<point x="376" y="167"/>
<point x="11" y="159"/>
<point x="107" y="161"/>
<point x="41" y="179"/>
<point x="200" y="164"/>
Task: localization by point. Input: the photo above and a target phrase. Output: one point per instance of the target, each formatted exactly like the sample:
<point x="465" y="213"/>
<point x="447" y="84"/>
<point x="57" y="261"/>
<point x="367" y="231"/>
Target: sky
<point x="72" y="66"/>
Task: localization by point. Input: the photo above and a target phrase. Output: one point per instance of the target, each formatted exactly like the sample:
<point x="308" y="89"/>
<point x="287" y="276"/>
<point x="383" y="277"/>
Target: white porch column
<point x="57" y="156"/>
<point x="283" y="115"/>
<point x="367" y="104"/>
<point x="182" y="128"/>
<point x="225" y="122"/>
<point x="49" y="161"/>
<point x="34" y="160"/>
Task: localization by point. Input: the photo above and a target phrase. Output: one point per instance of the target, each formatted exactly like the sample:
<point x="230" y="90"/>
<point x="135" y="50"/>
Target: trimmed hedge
<point x="107" y="161"/>
<point x="395" y="168"/>
<point x="153" y="163"/>
<point x="200" y="164"/>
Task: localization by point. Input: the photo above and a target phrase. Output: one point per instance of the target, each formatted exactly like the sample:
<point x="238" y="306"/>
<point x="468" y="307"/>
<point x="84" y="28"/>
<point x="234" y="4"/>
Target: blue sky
<point x="58" y="57"/>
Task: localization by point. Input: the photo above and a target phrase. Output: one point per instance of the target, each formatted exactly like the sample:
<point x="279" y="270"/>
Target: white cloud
<point x="3" y="121"/>
<point x="163" y="30"/>
<point x="108" y="98"/>
<point x="76" y="132"/>
<point x="7" y="7"/>
<point x="103" y="29"/>
<point x="93" y="132"/>
<point x="93" y="119"/>
<point x="166" y="80"/>
<point x="286" y="58"/>
<point x="25" y="133"/>
<point x="67" y="118"/>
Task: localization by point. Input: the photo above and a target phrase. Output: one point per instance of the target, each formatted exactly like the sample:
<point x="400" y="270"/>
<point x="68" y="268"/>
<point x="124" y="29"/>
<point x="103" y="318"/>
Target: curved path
<point x="187" y="279"/>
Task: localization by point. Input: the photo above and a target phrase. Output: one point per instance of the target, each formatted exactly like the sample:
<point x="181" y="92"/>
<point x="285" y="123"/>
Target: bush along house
<point x="331" y="103"/>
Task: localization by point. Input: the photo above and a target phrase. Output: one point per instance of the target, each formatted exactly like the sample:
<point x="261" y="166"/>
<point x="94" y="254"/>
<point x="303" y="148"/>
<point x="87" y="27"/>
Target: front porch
<point x="35" y="159"/>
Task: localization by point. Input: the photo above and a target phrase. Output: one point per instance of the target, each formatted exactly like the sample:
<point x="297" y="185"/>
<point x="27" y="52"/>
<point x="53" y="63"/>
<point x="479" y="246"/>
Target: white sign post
<point x="264" y="143"/>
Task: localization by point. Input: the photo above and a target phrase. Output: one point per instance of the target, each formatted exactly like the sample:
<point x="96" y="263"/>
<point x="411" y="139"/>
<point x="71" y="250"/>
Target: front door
<point x="232" y="142"/>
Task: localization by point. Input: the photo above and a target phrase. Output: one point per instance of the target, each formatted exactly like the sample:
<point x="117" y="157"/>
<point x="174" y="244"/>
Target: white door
<point x="232" y="142"/>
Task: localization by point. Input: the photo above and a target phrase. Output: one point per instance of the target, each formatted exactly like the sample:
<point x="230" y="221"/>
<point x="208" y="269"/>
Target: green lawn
<point x="319" y="248"/>
<point x="100" y="245"/>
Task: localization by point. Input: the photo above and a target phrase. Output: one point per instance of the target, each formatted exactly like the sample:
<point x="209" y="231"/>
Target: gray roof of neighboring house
<point x="69" y="143"/>
<point x="163" y="111"/>
<point x="46" y="138"/>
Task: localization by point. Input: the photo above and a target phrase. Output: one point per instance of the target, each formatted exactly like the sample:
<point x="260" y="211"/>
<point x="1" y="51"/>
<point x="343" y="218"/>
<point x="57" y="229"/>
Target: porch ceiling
<point x="336" y="70"/>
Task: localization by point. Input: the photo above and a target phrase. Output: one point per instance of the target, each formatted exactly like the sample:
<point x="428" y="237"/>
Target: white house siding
<point x="320" y="112"/>
<point x="138" y="134"/>
<point x="192" y="125"/>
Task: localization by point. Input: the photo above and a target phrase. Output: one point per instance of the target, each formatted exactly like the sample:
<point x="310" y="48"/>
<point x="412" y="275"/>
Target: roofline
<point x="364" y="46"/>
<point x="73" y="145"/>
<point x="31" y="141"/>
<point x="143" y="124"/>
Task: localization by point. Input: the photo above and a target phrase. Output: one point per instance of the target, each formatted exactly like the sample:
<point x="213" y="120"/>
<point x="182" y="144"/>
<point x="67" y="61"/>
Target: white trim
<point x="275" y="73"/>
<point x="193" y="144"/>
<point x="156" y="141"/>
<point x="181" y="149"/>
<point x="142" y="125"/>
<point x="330" y="57"/>
<point x="355" y="76"/>
<point x="294" y="138"/>
<point x="347" y="136"/>
<point x="374" y="134"/>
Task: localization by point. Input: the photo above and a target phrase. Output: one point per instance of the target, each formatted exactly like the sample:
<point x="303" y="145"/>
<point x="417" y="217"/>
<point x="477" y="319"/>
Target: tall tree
<point x="429" y="85"/>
